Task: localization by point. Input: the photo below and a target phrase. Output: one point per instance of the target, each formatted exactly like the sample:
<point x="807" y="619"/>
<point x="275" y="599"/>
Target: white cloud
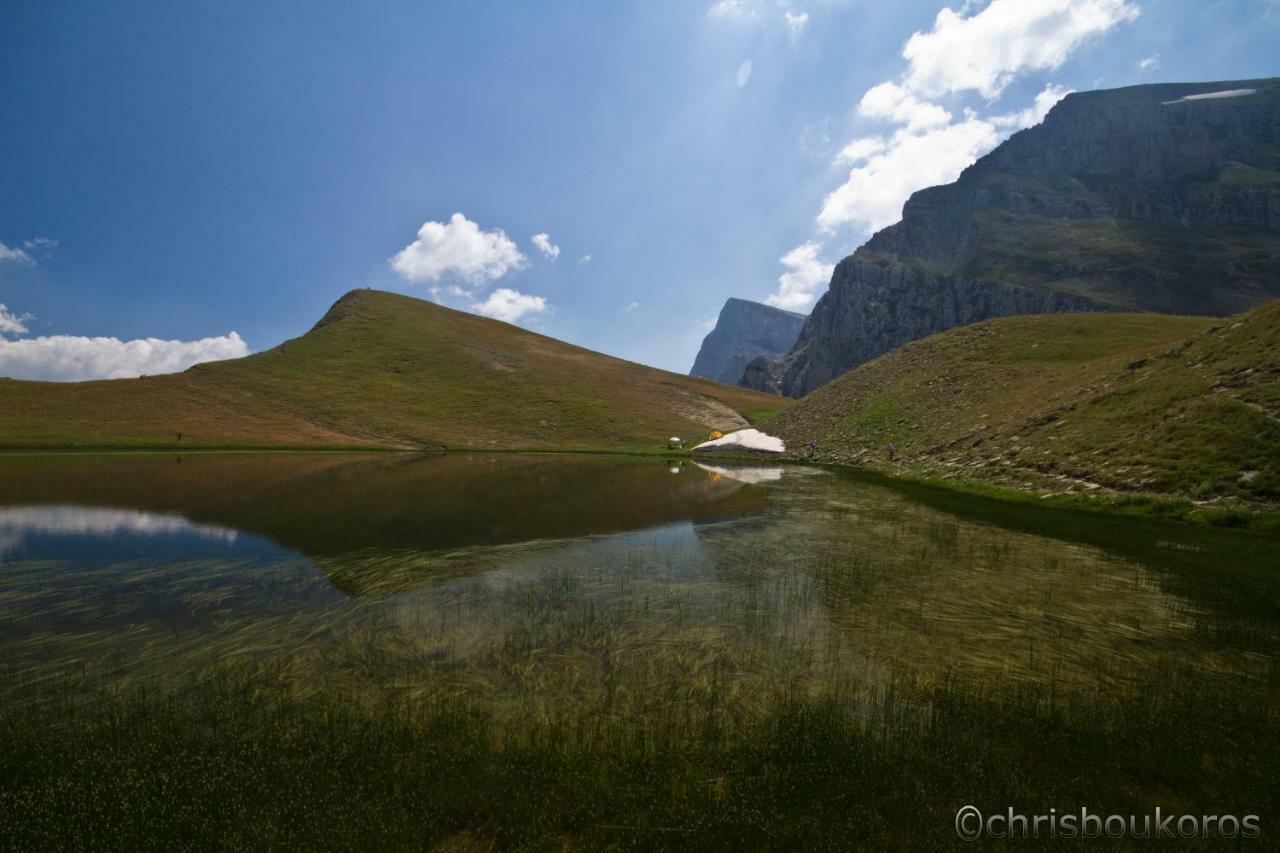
<point x="544" y="245"/>
<point x="11" y="323"/>
<point x="807" y="274"/>
<point x="861" y="149"/>
<point x="985" y="51"/>
<point x="509" y="305"/>
<point x="585" y="259"/>
<point x="744" y="73"/>
<point x="887" y="170"/>
<point x="458" y="247"/>
<point x="631" y="306"/>
<point x="64" y="358"/>
<point x="14" y="255"/>
<point x="1151" y="63"/>
<point x="19" y="523"/>
<point x="1035" y="113"/>
<point x="980" y="49"/>
<point x="890" y="101"/>
<point x="797" y="23"/>
<point x="722" y="9"/>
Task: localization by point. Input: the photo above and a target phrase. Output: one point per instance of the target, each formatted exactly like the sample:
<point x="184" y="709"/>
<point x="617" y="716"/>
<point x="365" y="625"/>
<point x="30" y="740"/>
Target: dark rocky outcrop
<point x="744" y="331"/>
<point x="1129" y="199"/>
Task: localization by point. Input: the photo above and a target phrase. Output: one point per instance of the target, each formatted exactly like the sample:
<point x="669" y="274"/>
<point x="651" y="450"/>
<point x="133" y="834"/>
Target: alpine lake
<point x="593" y="652"/>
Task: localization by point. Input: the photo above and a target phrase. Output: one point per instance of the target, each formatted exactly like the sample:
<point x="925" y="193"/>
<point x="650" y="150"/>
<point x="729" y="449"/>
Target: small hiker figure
<point x="179" y="436"/>
<point x="813" y="448"/>
<point x="893" y="452"/>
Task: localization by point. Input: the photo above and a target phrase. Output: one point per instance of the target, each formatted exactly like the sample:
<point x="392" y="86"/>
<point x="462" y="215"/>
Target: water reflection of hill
<point x="325" y="505"/>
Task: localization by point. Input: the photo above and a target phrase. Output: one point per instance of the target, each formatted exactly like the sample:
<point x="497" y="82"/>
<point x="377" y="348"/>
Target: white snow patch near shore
<point x="745" y="439"/>
<point x="1226" y="93"/>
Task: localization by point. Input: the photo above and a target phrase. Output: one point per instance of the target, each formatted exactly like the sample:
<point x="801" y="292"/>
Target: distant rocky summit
<point x="744" y="331"/>
<point x="1161" y="198"/>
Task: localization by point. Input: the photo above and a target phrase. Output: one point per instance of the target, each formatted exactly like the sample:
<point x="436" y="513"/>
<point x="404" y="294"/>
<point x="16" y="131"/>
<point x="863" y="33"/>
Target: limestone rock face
<point x="744" y="331"/>
<point x="1150" y="198"/>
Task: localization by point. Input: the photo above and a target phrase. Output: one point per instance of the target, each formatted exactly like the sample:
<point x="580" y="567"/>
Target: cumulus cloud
<point x="797" y="23"/>
<point x="1034" y="114"/>
<point x="544" y="245"/>
<point x="744" y="73"/>
<point x="806" y="275"/>
<point x="980" y="51"/>
<point x="66" y="358"/>
<point x="886" y="170"/>
<point x="891" y="102"/>
<point x="457" y="247"/>
<point x="985" y="51"/>
<point x="12" y="323"/>
<point x="509" y="305"/>
<point x="1151" y="63"/>
<point x="14" y="255"/>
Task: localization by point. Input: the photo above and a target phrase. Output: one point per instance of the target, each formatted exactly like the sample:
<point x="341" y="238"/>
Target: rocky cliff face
<point x="744" y="331"/>
<point x="1151" y="198"/>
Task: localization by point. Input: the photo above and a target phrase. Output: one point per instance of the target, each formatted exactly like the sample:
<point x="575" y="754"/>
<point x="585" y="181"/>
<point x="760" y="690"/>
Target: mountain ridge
<point x="1128" y="199"/>
<point x="744" y="330"/>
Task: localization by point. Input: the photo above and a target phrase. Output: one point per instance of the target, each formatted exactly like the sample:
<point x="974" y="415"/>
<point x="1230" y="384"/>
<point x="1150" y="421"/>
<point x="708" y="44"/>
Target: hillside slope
<point x="1149" y="198"/>
<point x="1130" y="402"/>
<point x="382" y="369"/>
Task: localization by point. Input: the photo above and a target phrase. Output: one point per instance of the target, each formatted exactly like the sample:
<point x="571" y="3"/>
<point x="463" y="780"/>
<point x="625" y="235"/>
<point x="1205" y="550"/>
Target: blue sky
<point x="210" y="167"/>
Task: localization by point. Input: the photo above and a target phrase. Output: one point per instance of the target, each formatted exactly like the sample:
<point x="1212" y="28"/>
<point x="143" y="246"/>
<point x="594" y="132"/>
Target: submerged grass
<point x="842" y="672"/>
<point x="222" y="767"/>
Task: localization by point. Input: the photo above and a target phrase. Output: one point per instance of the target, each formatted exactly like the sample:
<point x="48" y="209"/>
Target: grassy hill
<point x="1067" y="403"/>
<point x="383" y="370"/>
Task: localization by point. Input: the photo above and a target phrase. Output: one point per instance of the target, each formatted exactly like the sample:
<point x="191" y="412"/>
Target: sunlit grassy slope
<point x="1131" y="402"/>
<point x="387" y="370"/>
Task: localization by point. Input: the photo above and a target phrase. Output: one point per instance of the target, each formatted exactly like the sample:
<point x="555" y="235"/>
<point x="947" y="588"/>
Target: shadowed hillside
<point x="391" y="371"/>
<point x="1131" y="402"/>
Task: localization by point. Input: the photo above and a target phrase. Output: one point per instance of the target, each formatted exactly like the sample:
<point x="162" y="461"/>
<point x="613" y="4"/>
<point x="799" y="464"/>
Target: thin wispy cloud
<point x="797" y="23"/>
<point x="14" y="255"/>
<point x="722" y="9"/>
<point x="744" y="73"/>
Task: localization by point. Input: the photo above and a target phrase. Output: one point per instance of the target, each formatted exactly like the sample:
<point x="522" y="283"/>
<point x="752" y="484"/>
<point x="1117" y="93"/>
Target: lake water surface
<point x="585" y="591"/>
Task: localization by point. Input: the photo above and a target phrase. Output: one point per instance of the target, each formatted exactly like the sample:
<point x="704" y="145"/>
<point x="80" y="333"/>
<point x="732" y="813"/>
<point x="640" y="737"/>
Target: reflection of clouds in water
<point x="16" y="523"/>
<point x="751" y="475"/>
